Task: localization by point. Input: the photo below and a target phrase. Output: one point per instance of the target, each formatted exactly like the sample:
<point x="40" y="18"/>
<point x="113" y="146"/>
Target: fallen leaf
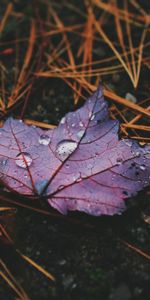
<point x="80" y="165"/>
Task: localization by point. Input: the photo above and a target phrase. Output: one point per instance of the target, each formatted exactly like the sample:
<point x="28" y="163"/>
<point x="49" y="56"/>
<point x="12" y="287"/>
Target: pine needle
<point x="5" y="17"/>
<point x="37" y="266"/>
<point x="11" y="281"/>
<point x="137" y="250"/>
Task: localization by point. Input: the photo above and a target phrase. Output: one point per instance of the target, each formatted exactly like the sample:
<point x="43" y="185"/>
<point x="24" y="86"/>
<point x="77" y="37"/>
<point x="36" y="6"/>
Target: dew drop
<point x="113" y="177"/>
<point x="44" y="140"/>
<point x="65" y="148"/>
<point x="80" y="133"/>
<point x="119" y="161"/>
<point x="3" y="162"/>
<point x="74" y="178"/>
<point x="79" y="179"/>
<point x="139" y="181"/>
<point x="23" y="159"/>
<point x="142" y="167"/>
<point x="61" y="187"/>
<point x="92" y="118"/>
<point x="63" y="120"/>
<point x="128" y="142"/>
<point x="80" y="124"/>
<point x="103" y="105"/>
<point x="137" y="153"/>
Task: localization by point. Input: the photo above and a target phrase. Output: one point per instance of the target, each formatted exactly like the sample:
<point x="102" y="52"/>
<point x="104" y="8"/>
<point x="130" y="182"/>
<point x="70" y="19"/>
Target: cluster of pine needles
<point x="44" y="44"/>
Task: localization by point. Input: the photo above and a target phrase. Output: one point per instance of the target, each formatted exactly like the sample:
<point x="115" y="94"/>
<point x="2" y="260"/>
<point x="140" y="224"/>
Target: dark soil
<point x="88" y="256"/>
<point x="89" y="259"/>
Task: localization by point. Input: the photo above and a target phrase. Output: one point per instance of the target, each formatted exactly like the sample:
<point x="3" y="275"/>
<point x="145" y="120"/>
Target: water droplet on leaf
<point x="3" y="162"/>
<point x="44" y="140"/>
<point x="137" y="153"/>
<point x="128" y="142"/>
<point x="80" y="124"/>
<point x="65" y="148"/>
<point x="63" y="120"/>
<point x="142" y="167"/>
<point x="79" y="179"/>
<point x="92" y="118"/>
<point x="23" y="160"/>
<point x="80" y="133"/>
<point x="119" y="161"/>
<point x="61" y="187"/>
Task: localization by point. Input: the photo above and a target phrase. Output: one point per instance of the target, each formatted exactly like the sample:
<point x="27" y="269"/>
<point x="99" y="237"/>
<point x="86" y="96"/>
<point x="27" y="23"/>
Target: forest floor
<point x="52" y="57"/>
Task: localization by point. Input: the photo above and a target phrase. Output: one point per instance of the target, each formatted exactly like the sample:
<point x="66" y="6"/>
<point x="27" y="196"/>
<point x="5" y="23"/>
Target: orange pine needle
<point x="23" y="73"/>
<point x="10" y="279"/>
<point x="5" y="17"/>
<point x="39" y="124"/>
<point x="126" y="103"/>
<point x="139" y="251"/>
<point x="38" y="267"/>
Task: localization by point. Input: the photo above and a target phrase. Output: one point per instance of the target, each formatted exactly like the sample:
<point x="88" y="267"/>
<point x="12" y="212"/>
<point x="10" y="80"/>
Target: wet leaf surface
<point x="80" y="165"/>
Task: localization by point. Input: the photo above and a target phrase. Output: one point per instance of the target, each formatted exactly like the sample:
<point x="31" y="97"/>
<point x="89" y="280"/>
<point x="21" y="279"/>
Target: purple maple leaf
<point x="80" y="165"/>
